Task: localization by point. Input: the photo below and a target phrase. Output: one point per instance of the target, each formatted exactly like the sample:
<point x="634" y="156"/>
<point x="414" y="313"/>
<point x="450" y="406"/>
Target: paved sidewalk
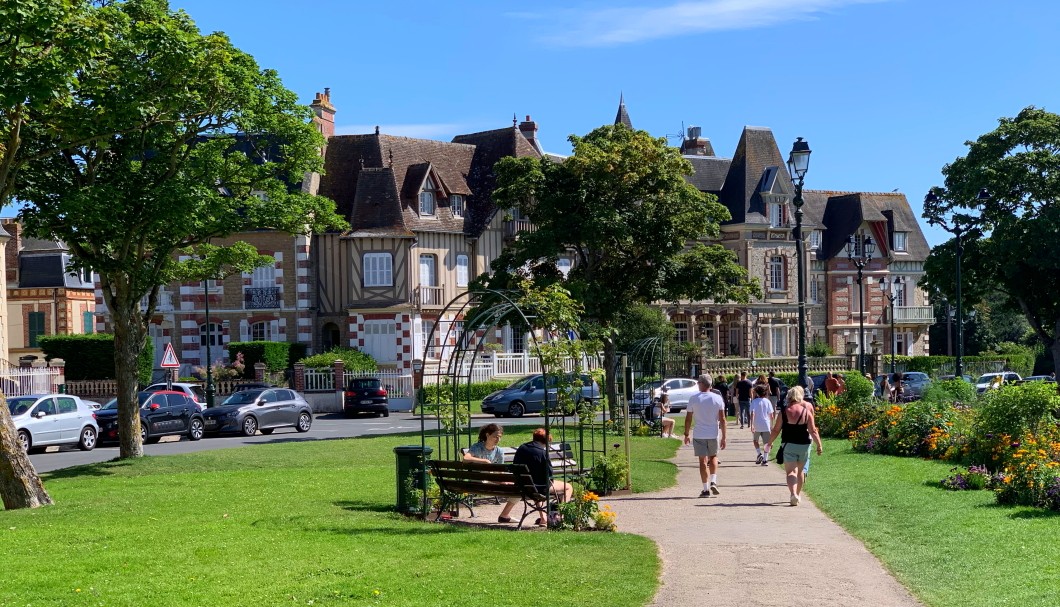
<point x="728" y="549"/>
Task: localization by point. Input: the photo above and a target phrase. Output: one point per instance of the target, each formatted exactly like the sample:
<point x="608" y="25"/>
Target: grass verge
<point x="950" y="548"/>
<point x="304" y="523"/>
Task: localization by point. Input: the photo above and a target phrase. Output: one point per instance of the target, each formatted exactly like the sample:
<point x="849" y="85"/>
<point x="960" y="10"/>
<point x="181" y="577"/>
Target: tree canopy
<point x="621" y="209"/>
<point x="1013" y="238"/>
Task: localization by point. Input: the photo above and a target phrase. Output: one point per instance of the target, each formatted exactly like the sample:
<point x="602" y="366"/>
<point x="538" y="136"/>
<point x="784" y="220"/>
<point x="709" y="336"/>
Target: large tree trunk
<point x="20" y="486"/>
<point x="128" y="343"/>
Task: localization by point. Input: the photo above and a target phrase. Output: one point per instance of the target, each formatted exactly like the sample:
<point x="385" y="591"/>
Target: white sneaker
<point x="794" y="501"/>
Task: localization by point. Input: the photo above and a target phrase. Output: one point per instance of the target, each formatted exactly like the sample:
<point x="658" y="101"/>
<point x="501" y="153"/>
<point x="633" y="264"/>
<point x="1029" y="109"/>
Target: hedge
<point x="92" y="356"/>
<point x="355" y="360"/>
<point x="1020" y="363"/>
<point x="273" y="353"/>
<point x="465" y="392"/>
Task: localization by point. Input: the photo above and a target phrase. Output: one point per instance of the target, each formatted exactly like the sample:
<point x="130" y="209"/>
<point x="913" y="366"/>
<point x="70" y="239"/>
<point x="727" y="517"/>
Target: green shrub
<point x="272" y="353"/>
<point x="295" y="353"/>
<point x="858" y="389"/>
<point x="818" y="349"/>
<point x="1017" y="410"/>
<point x="92" y="356"/>
<point x="354" y="359"/>
<point x="950" y="391"/>
<point x="464" y="392"/>
<point x="609" y="473"/>
<point x="912" y="428"/>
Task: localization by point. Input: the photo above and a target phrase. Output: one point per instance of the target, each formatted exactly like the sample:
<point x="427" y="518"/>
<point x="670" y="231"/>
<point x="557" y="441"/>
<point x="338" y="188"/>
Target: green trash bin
<point x="410" y="467"/>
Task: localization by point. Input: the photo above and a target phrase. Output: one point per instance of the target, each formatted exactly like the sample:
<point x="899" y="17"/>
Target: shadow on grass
<point x="1034" y="513"/>
<point x="361" y="506"/>
<point x="107" y="468"/>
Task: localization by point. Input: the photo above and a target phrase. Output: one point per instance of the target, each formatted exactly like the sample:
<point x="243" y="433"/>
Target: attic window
<point x="815" y="240"/>
<point x="427" y="199"/>
<point x="456" y="203"/>
<point x="899" y="240"/>
<point x="776" y="215"/>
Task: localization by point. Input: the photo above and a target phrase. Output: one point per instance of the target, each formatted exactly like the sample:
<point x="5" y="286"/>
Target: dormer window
<point x="776" y="215"/>
<point x="427" y="197"/>
<point x="900" y="240"/>
<point x="456" y="203"/>
<point x="815" y="240"/>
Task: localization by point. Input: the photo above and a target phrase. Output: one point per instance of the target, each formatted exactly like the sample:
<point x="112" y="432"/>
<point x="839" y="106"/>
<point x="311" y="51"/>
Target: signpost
<point x="170" y="361"/>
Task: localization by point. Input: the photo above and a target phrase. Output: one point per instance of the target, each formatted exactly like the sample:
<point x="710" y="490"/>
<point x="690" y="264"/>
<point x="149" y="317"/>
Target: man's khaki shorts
<point x="705" y="447"/>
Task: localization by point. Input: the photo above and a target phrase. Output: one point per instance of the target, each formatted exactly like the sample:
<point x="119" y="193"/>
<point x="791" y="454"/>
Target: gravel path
<point x="728" y="549"/>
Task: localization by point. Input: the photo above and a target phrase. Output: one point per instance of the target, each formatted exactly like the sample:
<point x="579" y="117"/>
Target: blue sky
<point x="885" y="91"/>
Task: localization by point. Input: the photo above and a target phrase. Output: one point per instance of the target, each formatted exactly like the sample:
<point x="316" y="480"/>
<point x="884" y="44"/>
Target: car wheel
<point x="386" y="413"/>
<point x="88" y="439"/>
<point x="250" y="426"/>
<point x="516" y="409"/>
<point x="24" y="441"/>
<point x="266" y="431"/>
<point x="196" y="430"/>
<point x="305" y="421"/>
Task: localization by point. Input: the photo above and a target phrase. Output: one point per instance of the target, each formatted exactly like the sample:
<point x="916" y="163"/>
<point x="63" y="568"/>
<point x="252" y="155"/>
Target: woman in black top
<point x="797" y="430"/>
<point x="723" y="390"/>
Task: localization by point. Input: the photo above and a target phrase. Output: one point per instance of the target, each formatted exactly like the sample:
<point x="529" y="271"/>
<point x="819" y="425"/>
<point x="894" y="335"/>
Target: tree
<point x="621" y="207"/>
<point x="218" y="148"/>
<point x="1013" y="241"/>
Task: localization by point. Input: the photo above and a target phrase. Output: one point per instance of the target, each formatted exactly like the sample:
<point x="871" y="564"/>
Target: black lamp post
<point x="798" y="164"/>
<point x="209" y="339"/>
<point x="890" y="291"/>
<point x="860" y="259"/>
<point x="958" y="230"/>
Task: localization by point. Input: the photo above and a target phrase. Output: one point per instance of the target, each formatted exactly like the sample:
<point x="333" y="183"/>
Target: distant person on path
<point x="885" y="389"/>
<point x="743" y="390"/>
<point x="774" y="388"/>
<point x="797" y="431"/>
<point x="705" y="420"/>
<point x="724" y="390"/>
<point x="762" y="414"/>
<point x="534" y="455"/>
<point x="662" y="407"/>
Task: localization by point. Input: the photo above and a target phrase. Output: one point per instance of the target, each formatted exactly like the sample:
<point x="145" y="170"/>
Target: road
<point x="325" y="426"/>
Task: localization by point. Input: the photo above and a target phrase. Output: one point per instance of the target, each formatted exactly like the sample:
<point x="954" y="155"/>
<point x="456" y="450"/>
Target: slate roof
<point x="623" y="116"/>
<point x="47" y="270"/>
<point x="710" y="171"/>
<point x="489" y="147"/>
<point x="756" y="167"/>
<point x="841" y="213"/>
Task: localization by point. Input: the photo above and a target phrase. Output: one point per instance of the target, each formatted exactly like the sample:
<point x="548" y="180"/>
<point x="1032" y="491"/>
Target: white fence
<point x="16" y="381"/>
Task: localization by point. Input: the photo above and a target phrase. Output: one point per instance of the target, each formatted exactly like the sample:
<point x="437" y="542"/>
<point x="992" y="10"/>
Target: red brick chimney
<point x="529" y="130"/>
<point x="13" y="246"/>
<point x="324" y="113"/>
<point x="695" y="144"/>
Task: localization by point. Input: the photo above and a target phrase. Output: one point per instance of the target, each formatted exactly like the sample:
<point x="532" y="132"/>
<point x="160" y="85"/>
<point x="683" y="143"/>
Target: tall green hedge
<point x="92" y="356"/>
<point x="1020" y="363"/>
<point x="465" y="392"/>
<point x="273" y="353"/>
<point x="354" y="359"/>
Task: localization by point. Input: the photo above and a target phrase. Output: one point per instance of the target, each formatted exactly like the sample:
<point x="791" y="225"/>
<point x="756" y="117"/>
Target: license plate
<point x="211" y="423"/>
<point x="366" y="402"/>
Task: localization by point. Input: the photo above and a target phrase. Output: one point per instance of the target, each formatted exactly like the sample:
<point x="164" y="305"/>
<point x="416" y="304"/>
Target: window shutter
<point x="244" y="330"/>
<point x="274" y="330"/>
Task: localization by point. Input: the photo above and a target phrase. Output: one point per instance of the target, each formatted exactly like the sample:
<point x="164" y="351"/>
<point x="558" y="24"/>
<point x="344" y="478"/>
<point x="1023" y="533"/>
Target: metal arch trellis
<point x="445" y="425"/>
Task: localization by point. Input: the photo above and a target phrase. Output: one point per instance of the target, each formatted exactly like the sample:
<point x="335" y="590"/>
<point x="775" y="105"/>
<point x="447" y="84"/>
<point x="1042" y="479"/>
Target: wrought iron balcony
<point x="260" y="298"/>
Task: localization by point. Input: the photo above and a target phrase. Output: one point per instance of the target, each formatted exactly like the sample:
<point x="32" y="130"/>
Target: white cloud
<point x="421" y="131"/>
<point x="615" y="26"/>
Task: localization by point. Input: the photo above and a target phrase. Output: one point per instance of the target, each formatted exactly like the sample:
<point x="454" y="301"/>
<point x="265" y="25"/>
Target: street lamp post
<point x="890" y="291"/>
<point x="860" y="259"/>
<point x="798" y="164"/>
<point x="209" y="339"/>
<point x="958" y="230"/>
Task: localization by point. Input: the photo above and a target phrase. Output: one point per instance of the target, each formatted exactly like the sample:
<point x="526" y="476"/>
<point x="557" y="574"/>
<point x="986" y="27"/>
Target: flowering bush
<point x="604" y="519"/>
<point x="920" y="428"/>
<point x="580" y="512"/>
<point x="1017" y="410"/>
<point x="1029" y="476"/>
<point x="837" y="419"/>
<point x="974" y="478"/>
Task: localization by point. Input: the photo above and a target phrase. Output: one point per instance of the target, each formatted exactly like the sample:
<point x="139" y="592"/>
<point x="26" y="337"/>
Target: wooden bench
<point x="458" y="482"/>
<point x="560" y="456"/>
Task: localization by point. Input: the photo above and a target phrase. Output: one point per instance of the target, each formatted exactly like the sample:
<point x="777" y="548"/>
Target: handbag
<point x="780" y="454"/>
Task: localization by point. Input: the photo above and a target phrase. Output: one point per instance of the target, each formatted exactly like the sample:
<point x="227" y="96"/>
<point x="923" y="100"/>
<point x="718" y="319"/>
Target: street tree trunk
<point x="20" y="486"/>
<point x="129" y="335"/>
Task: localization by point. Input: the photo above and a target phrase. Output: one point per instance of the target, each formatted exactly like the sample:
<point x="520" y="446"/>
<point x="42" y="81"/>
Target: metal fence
<point x="16" y="381"/>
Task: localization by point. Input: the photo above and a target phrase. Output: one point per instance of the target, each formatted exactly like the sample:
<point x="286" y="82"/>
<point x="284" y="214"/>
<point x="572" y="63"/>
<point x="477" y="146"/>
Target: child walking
<point x="762" y="414"/>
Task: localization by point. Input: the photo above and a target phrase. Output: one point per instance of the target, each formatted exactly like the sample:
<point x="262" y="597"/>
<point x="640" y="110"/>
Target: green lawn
<point x="950" y="548"/>
<point x="298" y="524"/>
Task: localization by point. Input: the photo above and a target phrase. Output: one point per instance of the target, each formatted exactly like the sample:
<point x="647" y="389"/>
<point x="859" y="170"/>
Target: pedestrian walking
<point x="705" y="431"/>
<point x="762" y="414"/>
<point x="774" y="388"/>
<point x="831" y="384"/>
<point x="723" y="389"/>
<point x="797" y="431"/>
<point x="743" y="390"/>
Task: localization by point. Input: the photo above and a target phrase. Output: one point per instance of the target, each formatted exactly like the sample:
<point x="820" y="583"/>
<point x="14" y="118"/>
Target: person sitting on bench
<point x="488" y="451"/>
<point x="534" y="455"/>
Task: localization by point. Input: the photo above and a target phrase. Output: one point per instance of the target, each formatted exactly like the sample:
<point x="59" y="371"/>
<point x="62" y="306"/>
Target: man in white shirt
<point x="704" y="422"/>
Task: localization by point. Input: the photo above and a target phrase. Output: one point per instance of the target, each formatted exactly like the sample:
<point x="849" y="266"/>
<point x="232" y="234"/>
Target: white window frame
<point x="428" y="200"/>
<point x="735" y="337"/>
<point x="775" y="267"/>
<point x="462" y="270"/>
<point x="901" y="241"/>
<point x="901" y="294"/>
<point x="681" y="331"/>
<point x="815" y="239"/>
<point x="778" y="337"/>
<point x="263" y="276"/>
<point x="378" y="270"/>
<point x="261" y="331"/>
<point x="456" y="204"/>
<point x="776" y="215"/>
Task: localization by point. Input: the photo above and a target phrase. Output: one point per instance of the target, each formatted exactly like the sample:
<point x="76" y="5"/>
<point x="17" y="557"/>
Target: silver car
<point x="53" y="419"/>
<point x="680" y="389"/>
<point x="248" y="412"/>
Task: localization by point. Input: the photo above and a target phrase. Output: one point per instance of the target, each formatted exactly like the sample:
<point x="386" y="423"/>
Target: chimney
<point x="324" y="113"/>
<point x="529" y="130"/>
<point x="695" y="144"/>
<point x="13" y="246"/>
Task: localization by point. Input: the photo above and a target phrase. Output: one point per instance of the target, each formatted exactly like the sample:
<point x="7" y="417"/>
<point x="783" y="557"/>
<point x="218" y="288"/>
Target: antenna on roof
<point x="680" y="134"/>
<point x="515" y="120"/>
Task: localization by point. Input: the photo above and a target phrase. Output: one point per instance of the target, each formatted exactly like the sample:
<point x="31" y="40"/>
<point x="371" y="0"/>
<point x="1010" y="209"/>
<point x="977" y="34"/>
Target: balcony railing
<point x="513" y="227"/>
<point x="914" y="315"/>
<point x="428" y="296"/>
<point x="258" y="298"/>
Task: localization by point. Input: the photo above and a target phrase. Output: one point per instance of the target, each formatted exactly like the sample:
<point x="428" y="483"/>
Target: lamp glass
<point x="870" y="247"/>
<point x="799" y="159"/>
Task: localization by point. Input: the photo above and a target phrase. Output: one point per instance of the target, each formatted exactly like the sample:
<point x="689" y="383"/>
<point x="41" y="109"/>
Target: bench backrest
<point x="560" y="455"/>
<point x="484" y="479"/>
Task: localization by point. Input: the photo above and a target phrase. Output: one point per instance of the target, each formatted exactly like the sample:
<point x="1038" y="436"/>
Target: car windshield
<point x="111" y="405"/>
<point x="18" y="406"/>
<point x="244" y="397"/>
<point x="364" y="384"/>
<point x="986" y="379"/>
<point x="520" y="383"/>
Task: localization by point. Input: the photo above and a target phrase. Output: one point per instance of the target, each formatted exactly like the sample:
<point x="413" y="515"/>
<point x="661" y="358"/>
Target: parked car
<point x="680" y="389"/>
<point x="1046" y="378"/>
<point x="987" y="380"/>
<point x="162" y="413"/>
<point x="644" y="395"/>
<point x="195" y="391"/>
<point x="53" y="419"/>
<point x="967" y="378"/>
<point x="264" y="410"/>
<point x="527" y="395"/>
<point x="365" y="395"/>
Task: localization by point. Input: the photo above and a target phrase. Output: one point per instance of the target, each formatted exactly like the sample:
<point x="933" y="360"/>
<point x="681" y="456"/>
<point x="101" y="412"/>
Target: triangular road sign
<point x="169" y="359"/>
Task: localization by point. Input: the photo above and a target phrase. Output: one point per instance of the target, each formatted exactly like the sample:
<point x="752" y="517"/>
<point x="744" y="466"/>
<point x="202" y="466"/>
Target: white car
<point x="988" y="380"/>
<point x="680" y="390"/>
<point x="53" y="419"/>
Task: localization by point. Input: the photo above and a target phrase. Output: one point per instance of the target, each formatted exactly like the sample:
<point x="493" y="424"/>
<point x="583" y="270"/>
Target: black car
<point x="162" y="413"/>
<point x="264" y="410"/>
<point x="365" y="395"/>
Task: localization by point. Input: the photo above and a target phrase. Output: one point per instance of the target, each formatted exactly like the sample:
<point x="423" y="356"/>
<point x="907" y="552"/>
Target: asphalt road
<point x="325" y="426"/>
